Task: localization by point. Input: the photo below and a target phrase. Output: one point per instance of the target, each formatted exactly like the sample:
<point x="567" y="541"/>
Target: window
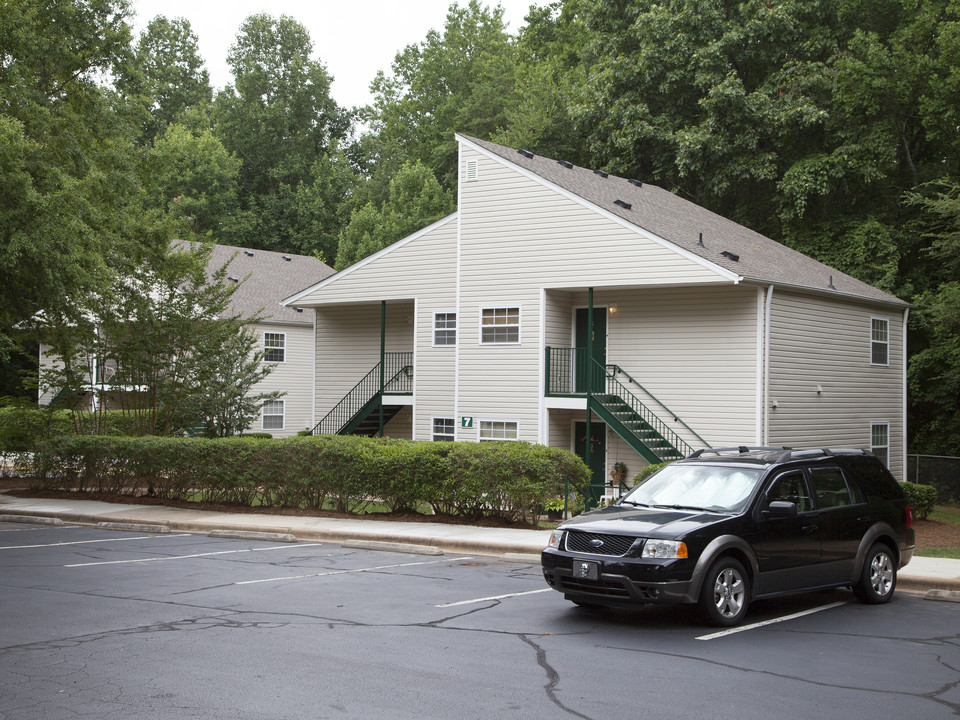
<point x="830" y="487"/>
<point x="791" y="487"/>
<point x="274" y="347"/>
<point x="879" y="341"/>
<point x="443" y="430"/>
<point x="273" y="415"/>
<point x="444" y="329"/>
<point x="498" y="430"/>
<point x="500" y="325"/>
<point x="880" y="442"/>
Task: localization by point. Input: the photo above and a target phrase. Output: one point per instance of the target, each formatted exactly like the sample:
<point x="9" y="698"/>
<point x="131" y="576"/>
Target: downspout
<point x="589" y="363"/>
<point x="766" y="366"/>
<point x="383" y="341"/>
<point x="903" y="419"/>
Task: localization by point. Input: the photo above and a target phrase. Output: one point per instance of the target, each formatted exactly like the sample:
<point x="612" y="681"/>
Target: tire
<point x="878" y="577"/>
<point x="726" y="593"/>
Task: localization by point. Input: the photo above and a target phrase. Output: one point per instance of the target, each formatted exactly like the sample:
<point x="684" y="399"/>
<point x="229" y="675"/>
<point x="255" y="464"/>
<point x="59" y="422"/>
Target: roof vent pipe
<point x="830" y="284"/>
<point x="700" y="241"/>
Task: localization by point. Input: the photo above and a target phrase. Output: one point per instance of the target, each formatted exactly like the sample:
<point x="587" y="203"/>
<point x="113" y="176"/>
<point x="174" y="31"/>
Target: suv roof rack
<point x="739" y="449"/>
<point x="819" y="452"/>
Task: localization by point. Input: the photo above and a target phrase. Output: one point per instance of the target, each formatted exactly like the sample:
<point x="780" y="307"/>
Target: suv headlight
<point x="555" y="537"/>
<point x="664" y="549"/>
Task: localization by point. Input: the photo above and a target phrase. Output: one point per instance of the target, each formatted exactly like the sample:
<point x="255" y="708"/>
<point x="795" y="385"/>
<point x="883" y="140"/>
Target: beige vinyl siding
<point x="48" y="363"/>
<point x="819" y="342"/>
<point x="293" y="377"/>
<point x="517" y="232"/>
<point x="348" y="345"/>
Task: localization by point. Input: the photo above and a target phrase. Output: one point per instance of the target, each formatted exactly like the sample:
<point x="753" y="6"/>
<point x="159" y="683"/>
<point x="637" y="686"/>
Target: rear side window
<point x="831" y="488"/>
<point x="875" y="479"/>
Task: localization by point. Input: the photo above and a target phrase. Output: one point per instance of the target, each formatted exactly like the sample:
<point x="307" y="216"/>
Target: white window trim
<point x="481" y="421"/>
<point x="885" y="342"/>
<point x="434" y="418"/>
<point x="519" y="325"/>
<point x="282" y="415"/>
<point x="880" y="423"/>
<point x="265" y="348"/>
<point x="455" y="328"/>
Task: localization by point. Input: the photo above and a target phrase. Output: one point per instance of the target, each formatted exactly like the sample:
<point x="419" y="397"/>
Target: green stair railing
<point x="398" y="374"/>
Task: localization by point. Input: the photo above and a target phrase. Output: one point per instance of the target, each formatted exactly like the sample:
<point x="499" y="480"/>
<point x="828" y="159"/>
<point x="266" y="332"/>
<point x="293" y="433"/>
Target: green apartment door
<point x="586" y="369"/>
<point x="598" y="459"/>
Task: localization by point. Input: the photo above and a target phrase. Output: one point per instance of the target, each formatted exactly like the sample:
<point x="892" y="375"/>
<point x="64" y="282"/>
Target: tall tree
<point x="461" y="80"/>
<point x="280" y="120"/>
<point x="70" y="203"/>
<point x="415" y="200"/>
<point x="166" y="73"/>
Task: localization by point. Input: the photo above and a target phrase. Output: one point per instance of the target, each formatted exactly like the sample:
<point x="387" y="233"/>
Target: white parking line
<point x="347" y="572"/>
<point x="187" y="557"/>
<point x="754" y="626"/>
<point x="87" y="542"/>
<point x="492" y="597"/>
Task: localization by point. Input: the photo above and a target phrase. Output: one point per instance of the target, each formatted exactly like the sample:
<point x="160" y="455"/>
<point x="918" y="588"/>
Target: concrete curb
<point x="253" y="535"/>
<point x="134" y="527"/>
<point x="35" y="519"/>
<point x="521" y="558"/>
<point x="392" y="547"/>
<point x="917" y="584"/>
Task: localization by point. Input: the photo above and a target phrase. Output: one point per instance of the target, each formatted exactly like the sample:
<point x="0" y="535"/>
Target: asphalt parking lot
<point x="106" y="624"/>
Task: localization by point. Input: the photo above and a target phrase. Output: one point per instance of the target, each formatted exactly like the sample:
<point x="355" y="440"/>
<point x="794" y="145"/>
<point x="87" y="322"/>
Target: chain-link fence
<point x="941" y="472"/>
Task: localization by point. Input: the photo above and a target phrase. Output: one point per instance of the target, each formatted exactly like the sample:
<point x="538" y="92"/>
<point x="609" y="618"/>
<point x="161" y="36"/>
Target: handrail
<point x="675" y="417"/>
<point x="397" y="366"/>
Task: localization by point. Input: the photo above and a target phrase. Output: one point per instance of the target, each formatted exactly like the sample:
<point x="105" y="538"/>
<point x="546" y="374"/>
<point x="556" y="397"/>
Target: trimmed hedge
<point x="922" y="499"/>
<point x="21" y="426"/>
<point x="508" y="480"/>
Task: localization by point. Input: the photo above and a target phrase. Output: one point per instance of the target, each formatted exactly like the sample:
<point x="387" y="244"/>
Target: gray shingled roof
<point x="680" y="222"/>
<point x="272" y="277"/>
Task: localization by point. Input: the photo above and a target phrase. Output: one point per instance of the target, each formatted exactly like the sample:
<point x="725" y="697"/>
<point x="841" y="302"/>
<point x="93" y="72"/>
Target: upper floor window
<point x="274" y="347"/>
<point x="500" y="325"/>
<point x="879" y="341"/>
<point x="880" y="442"/>
<point x="444" y="328"/>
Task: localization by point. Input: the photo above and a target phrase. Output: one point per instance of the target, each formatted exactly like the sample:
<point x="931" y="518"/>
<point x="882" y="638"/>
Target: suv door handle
<point x="809" y="528"/>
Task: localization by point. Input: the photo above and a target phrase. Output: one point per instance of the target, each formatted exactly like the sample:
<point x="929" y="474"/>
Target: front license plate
<point x="585" y="570"/>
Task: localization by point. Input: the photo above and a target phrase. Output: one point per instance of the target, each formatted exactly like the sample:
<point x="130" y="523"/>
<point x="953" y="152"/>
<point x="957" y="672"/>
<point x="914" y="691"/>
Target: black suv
<point x="726" y="526"/>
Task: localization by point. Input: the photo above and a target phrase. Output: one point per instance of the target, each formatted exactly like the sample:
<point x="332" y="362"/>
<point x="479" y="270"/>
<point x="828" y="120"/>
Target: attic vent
<point x="231" y="278"/>
<point x="287" y="258"/>
<point x="248" y="253"/>
<point x="624" y="205"/>
<point x="298" y="309"/>
<point x="733" y="256"/>
<point x="635" y="182"/>
<point x="526" y="153"/>
<point x="471" y="170"/>
<point x="601" y="173"/>
<point x="564" y="163"/>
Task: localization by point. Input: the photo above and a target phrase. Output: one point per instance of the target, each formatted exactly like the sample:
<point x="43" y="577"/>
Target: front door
<point x="788" y="548"/>
<point x="598" y="459"/>
<point x="586" y="370"/>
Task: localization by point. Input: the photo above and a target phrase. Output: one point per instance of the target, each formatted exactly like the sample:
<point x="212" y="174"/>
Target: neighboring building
<point x="485" y="315"/>
<point x="285" y="334"/>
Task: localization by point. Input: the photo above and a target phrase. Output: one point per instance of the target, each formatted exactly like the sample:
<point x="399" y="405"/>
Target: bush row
<point x="922" y="499"/>
<point x="509" y="480"/>
<point x="21" y="426"/>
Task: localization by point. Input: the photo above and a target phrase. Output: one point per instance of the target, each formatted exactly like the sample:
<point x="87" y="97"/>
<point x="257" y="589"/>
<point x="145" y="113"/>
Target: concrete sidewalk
<point x="921" y="575"/>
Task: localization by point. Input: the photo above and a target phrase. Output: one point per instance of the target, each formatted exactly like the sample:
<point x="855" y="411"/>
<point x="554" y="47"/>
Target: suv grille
<point x="596" y="544"/>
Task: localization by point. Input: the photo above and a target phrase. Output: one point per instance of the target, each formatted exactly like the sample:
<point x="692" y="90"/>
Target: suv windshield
<point x="697" y="487"/>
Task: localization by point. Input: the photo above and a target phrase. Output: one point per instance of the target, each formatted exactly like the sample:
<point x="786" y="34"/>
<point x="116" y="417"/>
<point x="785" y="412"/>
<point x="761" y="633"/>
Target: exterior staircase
<point x="358" y="413"/>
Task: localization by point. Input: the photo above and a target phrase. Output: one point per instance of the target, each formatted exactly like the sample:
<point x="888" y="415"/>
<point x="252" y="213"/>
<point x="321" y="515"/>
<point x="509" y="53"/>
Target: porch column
<point x="383" y="354"/>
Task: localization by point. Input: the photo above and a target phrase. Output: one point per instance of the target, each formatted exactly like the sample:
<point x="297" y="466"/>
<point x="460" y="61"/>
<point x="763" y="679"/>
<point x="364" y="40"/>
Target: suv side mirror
<point x="780" y="509"/>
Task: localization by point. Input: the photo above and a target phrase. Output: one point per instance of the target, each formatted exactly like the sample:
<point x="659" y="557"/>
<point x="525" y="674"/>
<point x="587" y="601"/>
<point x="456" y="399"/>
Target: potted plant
<point x="554" y="508"/>
<point x="619" y="472"/>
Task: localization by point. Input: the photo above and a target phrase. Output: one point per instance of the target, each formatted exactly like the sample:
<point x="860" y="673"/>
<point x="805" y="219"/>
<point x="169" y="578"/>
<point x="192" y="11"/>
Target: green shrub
<point x="647" y="472"/>
<point x="922" y="499"/>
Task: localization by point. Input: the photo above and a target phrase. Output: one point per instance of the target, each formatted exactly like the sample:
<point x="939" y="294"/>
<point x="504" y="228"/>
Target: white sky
<point x="353" y="38"/>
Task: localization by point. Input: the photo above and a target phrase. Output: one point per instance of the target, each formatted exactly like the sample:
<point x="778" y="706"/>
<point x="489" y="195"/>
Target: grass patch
<point x="952" y="553"/>
<point x="946" y="513"/>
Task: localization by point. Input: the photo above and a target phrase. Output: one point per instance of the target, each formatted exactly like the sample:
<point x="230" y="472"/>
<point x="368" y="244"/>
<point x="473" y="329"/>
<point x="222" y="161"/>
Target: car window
<point x="830" y="488"/>
<point x="791" y="487"/>
<point x="709" y="487"/>
<point x="875" y="479"/>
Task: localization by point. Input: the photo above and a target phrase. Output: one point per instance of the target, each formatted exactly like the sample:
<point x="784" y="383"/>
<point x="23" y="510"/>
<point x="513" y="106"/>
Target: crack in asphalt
<point x="553" y="678"/>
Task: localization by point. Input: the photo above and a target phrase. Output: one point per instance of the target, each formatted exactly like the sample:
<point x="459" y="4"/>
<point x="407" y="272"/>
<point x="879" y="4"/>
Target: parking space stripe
<point x="754" y="626"/>
<point x="87" y="542"/>
<point x="194" y="555"/>
<point x="492" y="597"/>
<point x="347" y="572"/>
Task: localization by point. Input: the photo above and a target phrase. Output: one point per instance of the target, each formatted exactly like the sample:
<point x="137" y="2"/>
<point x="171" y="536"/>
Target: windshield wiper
<point x="679" y="507"/>
<point x="631" y="502"/>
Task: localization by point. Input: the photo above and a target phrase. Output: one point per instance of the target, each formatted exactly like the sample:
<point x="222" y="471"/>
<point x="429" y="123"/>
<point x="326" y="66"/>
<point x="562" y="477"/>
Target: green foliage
<point x="647" y="471"/>
<point x="921" y="498"/>
<point x="506" y="480"/>
<point x="415" y="200"/>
